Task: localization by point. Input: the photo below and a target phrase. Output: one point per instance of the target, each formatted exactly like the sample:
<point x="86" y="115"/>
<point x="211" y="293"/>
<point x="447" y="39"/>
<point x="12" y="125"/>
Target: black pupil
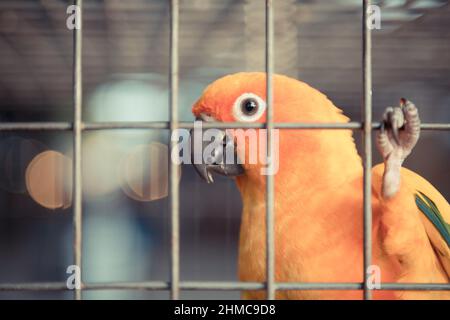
<point x="249" y="106"/>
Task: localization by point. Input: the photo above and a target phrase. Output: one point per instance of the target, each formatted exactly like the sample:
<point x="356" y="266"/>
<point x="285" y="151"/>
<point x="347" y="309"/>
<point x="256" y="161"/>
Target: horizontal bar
<point x="360" y="286"/>
<point x="167" y="286"/>
<point x="150" y="285"/>
<point x="67" y="126"/>
<point x="127" y="125"/>
<point x="319" y="286"/>
<point x="212" y="285"/>
<point x="435" y="126"/>
<point x="216" y="285"/>
<point x="38" y="126"/>
<point x="38" y="286"/>
<point x="415" y="286"/>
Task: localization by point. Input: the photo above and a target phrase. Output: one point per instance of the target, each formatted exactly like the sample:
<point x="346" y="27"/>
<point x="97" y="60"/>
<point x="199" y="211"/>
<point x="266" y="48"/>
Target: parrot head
<point x="241" y="97"/>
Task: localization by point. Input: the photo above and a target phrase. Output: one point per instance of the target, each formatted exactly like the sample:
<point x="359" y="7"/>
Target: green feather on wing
<point x="430" y="210"/>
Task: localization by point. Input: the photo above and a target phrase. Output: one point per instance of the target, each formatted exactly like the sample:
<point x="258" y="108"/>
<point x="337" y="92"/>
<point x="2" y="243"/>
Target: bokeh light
<point x="48" y="179"/>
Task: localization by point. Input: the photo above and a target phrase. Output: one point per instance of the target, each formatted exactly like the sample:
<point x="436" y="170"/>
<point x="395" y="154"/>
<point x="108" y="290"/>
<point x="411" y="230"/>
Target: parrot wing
<point x="435" y="215"/>
<point x="438" y="232"/>
<point x="434" y="212"/>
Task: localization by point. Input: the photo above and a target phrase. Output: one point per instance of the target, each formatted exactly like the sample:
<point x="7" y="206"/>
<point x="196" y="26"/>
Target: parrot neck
<point x="309" y="162"/>
<point x="314" y="167"/>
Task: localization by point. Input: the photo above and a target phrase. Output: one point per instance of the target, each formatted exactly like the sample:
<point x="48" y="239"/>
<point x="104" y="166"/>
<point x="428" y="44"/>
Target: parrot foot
<point x="399" y="133"/>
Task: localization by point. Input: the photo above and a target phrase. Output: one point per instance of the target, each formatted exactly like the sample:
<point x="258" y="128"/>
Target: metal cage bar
<point x="77" y="135"/>
<point x="221" y="285"/>
<point x="175" y="285"/>
<point x="270" y="228"/>
<point x="174" y="197"/>
<point x="88" y="126"/>
<point x="367" y="138"/>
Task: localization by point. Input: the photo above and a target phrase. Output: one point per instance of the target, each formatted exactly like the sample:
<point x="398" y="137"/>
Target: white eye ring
<point x="239" y="112"/>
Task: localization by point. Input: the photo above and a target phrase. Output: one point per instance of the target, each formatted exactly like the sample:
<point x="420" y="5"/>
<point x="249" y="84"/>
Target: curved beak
<point x="214" y="152"/>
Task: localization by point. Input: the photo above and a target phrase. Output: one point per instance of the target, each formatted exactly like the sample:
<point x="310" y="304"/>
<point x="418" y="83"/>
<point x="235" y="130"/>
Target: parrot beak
<point x="216" y="161"/>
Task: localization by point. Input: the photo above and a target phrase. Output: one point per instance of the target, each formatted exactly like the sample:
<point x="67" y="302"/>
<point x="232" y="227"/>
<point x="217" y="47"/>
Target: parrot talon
<point x="403" y="102"/>
<point x="395" y="129"/>
<point x="399" y="133"/>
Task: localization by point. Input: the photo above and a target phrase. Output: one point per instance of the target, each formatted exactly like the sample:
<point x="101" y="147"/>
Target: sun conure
<point x="319" y="197"/>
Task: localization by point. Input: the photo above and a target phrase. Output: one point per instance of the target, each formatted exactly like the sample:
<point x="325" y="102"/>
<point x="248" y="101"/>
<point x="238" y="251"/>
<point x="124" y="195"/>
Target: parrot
<point x="318" y="194"/>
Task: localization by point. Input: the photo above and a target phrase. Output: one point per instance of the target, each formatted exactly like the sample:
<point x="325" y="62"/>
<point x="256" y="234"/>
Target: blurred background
<point x="125" y="66"/>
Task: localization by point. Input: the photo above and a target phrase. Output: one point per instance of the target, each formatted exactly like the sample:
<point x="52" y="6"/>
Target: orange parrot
<point x="319" y="198"/>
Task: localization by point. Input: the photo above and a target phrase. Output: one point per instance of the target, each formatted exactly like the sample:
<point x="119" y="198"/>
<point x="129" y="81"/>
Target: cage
<point x="87" y="111"/>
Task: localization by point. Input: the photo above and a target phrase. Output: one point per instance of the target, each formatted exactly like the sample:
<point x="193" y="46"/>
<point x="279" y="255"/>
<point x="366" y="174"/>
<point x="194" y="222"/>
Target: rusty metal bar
<point x="367" y="138"/>
<point x="36" y="126"/>
<point x="270" y="228"/>
<point x="77" y="133"/>
<point x="221" y="285"/>
<point x="174" y="197"/>
<point x="68" y="126"/>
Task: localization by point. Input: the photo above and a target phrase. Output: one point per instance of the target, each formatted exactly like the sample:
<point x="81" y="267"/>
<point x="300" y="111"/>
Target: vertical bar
<point x="77" y="123"/>
<point x="367" y="134"/>
<point x="173" y="172"/>
<point x="270" y="241"/>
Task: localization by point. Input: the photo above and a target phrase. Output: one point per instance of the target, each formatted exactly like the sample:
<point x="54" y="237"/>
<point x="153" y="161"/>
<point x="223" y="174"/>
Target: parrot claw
<point x="400" y="131"/>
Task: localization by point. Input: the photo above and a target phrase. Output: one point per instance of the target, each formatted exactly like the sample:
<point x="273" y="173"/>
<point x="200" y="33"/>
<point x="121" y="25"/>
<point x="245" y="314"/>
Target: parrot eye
<point x="248" y="107"/>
